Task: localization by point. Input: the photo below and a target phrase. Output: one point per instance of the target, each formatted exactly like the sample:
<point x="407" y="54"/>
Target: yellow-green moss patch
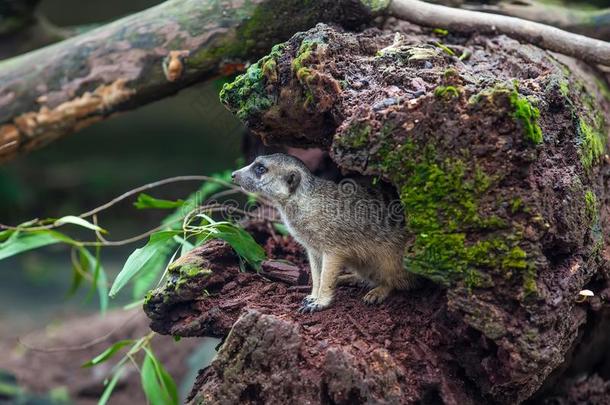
<point x="592" y="144"/>
<point x="441" y="202"/>
<point x="528" y="115"/>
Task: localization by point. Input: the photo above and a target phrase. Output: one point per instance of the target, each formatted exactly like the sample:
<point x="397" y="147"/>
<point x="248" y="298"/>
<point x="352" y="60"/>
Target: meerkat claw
<point x="307" y="308"/>
<point x="376" y="295"/>
<point x="312" y="306"/>
<point x="308" y="300"/>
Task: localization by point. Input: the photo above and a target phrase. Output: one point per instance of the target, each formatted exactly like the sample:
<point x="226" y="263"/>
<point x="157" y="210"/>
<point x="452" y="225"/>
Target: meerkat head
<point x="277" y="177"/>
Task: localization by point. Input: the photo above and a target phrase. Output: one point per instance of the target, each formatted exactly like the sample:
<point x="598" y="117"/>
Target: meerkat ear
<point x="292" y="180"/>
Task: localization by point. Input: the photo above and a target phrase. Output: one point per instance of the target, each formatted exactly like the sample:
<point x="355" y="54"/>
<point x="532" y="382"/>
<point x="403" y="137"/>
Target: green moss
<point x="269" y="70"/>
<point x="303" y="56"/>
<point x="188" y="271"/>
<point x="515" y="205"/>
<point x="592" y="144"/>
<point x="309" y="99"/>
<point x="523" y="110"/>
<point x="449" y="73"/>
<point x="591" y="206"/>
<point x="356" y="136"/>
<point x="303" y="73"/>
<point x="445" y="48"/>
<point x="441" y="32"/>
<point x="446" y="91"/>
<point x="564" y="88"/>
<point x="148" y="296"/>
<point x="247" y="94"/>
<point x="376" y="6"/>
<point x="528" y="115"/>
<point x="441" y="202"/>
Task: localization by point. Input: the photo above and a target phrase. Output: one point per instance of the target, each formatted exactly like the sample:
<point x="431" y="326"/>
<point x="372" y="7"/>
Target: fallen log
<point x="56" y="90"/>
<point x="497" y="150"/>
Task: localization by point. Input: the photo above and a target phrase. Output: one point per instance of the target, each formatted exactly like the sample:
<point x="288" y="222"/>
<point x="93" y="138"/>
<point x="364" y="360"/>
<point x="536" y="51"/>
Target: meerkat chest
<point x="300" y="227"/>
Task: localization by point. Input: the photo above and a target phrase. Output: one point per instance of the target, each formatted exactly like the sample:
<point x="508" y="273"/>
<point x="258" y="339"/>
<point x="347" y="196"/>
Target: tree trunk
<point x="498" y="152"/>
<point x="54" y="91"/>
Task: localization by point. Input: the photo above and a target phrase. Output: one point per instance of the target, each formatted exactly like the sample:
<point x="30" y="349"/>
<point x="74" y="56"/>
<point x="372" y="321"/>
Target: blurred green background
<point x="190" y="133"/>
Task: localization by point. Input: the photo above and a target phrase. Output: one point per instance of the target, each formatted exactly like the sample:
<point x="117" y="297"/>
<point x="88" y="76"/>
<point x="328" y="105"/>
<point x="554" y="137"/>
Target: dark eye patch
<point x="259" y="169"/>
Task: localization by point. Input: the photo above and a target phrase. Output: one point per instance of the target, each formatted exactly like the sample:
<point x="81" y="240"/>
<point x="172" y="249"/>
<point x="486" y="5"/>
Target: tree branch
<point x="466" y="21"/>
<point x="592" y="23"/>
<point x="54" y="91"/>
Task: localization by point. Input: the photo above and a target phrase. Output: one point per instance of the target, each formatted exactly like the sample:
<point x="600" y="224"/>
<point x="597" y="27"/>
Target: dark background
<point x="190" y="133"/>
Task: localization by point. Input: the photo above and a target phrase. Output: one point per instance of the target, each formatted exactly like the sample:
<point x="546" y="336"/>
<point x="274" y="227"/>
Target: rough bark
<point x="56" y="90"/>
<point x="467" y="21"/>
<point x="499" y="158"/>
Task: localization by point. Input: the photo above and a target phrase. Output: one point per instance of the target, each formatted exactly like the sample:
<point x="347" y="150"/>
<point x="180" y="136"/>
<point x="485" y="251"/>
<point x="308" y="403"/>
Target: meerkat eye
<point x="259" y="169"/>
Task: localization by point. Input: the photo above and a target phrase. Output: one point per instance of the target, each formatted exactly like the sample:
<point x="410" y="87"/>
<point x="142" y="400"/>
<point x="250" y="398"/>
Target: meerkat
<point x="341" y="226"/>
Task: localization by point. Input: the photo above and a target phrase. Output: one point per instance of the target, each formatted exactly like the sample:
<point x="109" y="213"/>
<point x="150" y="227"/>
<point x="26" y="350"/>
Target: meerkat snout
<point x="341" y="226"/>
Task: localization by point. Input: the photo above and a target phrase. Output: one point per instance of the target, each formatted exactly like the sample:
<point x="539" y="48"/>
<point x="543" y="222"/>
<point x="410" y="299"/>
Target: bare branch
<point x="466" y="21"/>
<point x="592" y="23"/>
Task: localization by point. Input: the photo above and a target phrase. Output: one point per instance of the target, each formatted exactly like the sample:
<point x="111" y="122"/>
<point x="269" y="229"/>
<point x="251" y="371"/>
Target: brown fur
<point x="343" y="225"/>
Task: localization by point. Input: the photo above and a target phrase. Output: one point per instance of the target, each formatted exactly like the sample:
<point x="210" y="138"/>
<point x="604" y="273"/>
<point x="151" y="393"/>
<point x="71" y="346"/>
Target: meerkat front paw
<point x="317" y="304"/>
<point x="307" y="300"/>
<point x="377" y="295"/>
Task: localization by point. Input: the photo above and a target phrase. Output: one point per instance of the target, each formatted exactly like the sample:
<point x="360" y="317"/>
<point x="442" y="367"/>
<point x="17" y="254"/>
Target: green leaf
<point x="158" y="385"/>
<point x="74" y="220"/>
<point x="134" y="304"/>
<point x="281" y="228"/>
<point x="108" y="353"/>
<point x="146" y="201"/>
<point x="110" y="387"/>
<point x="77" y="279"/>
<point x="151" y="254"/>
<point x="242" y="242"/>
<point x="23" y="241"/>
<point x="169" y="384"/>
<point x="4" y="235"/>
<point x="197" y="198"/>
<point x="100" y="280"/>
<point x="150" y="383"/>
<point x="145" y="280"/>
<point x="146" y="263"/>
<point x="186" y="246"/>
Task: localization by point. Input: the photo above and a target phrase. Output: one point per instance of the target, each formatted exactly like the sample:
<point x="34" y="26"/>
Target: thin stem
<point x="126" y="195"/>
